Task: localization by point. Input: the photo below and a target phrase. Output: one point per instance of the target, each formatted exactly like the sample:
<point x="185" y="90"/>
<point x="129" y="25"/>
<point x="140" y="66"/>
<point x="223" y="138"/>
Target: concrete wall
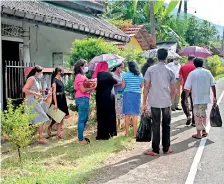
<point x="45" y="41"/>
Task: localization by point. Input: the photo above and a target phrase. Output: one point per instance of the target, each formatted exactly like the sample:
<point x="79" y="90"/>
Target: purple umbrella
<point x="104" y="57"/>
<point x="195" y="51"/>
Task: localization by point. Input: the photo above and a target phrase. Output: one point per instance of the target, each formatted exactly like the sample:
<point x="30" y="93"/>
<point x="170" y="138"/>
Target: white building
<point x="42" y="33"/>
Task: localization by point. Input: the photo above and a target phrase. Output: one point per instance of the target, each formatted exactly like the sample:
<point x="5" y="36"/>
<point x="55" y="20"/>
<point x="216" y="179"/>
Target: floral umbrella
<point x="195" y="51"/>
<point x="110" y="58"/>
<point x="153" y="54"/>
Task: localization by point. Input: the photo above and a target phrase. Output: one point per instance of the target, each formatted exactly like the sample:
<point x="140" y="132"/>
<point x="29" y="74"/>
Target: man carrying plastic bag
<point x="144" y="131"/>
<point x="199" y="82"/>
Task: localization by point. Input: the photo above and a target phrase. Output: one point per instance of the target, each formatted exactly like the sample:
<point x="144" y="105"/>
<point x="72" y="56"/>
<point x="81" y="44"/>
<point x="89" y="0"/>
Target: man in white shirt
<point x="175" y="67"/>
<point x="199" y="81"/>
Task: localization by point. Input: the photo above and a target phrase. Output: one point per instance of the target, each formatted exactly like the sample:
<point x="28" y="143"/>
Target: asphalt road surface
<point x="193" y="161"/>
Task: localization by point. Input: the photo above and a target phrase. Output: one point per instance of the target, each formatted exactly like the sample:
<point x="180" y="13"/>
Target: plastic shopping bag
<point x="144" y="133"/>
<point x="215" y="117"/>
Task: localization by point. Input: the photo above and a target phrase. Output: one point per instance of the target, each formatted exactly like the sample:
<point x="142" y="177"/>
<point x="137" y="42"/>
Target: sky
<point x="210" y="10"/>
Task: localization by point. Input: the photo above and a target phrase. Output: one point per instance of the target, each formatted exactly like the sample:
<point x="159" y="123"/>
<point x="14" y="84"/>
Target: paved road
<point x="135" y="167"/>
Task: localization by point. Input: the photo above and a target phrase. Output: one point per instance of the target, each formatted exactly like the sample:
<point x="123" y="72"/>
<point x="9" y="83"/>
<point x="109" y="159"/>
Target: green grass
<point x="70" y="163"/>
<point x="219" y="76"/>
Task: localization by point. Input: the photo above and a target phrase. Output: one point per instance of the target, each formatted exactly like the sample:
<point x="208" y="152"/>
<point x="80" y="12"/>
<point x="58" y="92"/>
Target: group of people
<point x="162" y="91"/>
<point x="36" y="100"/>
<point x="118" y="96"/>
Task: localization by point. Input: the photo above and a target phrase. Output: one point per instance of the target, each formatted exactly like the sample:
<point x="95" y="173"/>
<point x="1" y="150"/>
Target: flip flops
<point x="196" y="136"/>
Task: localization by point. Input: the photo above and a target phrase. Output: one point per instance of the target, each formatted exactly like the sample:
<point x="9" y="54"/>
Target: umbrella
<point x="153" y="54"/>
<point x="195" y="51"/>
<point x="111" y="63"/>
<point x="104" y="57"/>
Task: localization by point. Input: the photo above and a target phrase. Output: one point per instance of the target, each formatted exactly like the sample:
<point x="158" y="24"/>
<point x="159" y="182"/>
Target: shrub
<point x="15" y="123"/>
<point x="89" y="48"/>
<point x="69" y="86"/>
<point x="132" y="54"/>
<point x="214" y="64"/>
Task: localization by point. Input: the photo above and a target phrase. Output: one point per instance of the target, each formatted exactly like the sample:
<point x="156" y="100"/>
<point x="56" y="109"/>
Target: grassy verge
<point x="69" y="163"/>
<point x="219" y="76"/>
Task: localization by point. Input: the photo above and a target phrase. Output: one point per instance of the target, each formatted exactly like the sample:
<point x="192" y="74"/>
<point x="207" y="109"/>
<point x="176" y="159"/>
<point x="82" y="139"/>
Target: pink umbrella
<point x="195" y="51"/>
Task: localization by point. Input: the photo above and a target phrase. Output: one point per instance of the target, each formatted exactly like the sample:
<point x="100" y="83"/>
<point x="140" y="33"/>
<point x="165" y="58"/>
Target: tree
<point x="200" y="33"/>
<point x="152" y="21"/>
<point x="15" y="123"/>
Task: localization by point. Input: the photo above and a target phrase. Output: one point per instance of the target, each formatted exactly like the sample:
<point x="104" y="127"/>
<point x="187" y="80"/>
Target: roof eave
<point x="60" y="23"/>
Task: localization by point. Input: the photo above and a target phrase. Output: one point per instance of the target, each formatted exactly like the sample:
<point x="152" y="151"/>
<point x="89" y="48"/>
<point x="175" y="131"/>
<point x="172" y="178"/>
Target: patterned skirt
<point x="119" y="105"/>
<point x="200" y="116"/>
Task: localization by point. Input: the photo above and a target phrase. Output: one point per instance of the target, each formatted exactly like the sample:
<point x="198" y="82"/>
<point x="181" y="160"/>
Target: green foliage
<point x="168" y="27"/>
<point x="15" y="123"/>
<point x="183" y="60"/>
<point x="170" y="7"/>
<point x="120" y="23"/>
<point x="215" y="65"/>
<point x="89" y="48"/>
<point x="199" y="33"/>
<point x="69" y="86"/>
<point x="132" y="54"/>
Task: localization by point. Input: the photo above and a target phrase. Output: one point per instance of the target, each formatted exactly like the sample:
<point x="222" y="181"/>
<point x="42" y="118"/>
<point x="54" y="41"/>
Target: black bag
<point x="144" y="133"/>
<point x="215" y="117"/>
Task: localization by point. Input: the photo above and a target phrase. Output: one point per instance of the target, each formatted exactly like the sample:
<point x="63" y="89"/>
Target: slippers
<point x="151" y="153"/>
<point x="196" y="136"/>
<point x="204" y="134"/>
<point x="168" y="152"/>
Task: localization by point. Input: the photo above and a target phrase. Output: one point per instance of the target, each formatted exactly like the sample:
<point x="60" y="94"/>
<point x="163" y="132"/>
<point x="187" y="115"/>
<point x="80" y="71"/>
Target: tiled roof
<point x="56" y="16"/>
<point x="141" y="34"/>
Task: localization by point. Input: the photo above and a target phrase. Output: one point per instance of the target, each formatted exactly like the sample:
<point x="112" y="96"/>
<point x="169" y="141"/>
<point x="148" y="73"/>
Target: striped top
<point x="132" y="82"/>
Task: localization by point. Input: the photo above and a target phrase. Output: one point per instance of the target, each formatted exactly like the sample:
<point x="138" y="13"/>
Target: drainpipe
<point x="26" y="43"/>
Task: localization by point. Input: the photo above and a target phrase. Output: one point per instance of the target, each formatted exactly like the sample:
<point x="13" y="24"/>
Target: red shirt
<point x="185" y="70"/>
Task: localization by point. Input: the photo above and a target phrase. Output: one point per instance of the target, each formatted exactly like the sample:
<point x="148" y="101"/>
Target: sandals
<point x="204" y="133"/>
<point x="196" y="136"/>
<point x="42" y="141"/>
<point x="168" y="152"/>
<point x="85" y="141"/>
<point x="60" y="137"/>
<point x="49" y="131"/>
<point x="151" y="153"/>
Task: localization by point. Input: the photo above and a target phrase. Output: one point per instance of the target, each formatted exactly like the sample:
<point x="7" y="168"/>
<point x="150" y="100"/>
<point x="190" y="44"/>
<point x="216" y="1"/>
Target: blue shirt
<point x="132" y="82"/>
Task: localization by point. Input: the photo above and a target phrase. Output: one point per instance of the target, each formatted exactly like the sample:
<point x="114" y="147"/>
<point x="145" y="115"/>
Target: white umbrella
<point x="153" y="54"/>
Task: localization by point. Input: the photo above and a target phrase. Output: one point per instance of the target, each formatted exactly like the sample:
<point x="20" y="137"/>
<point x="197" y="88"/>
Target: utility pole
<point x="185" y="9"/>
<point x="152" y="20"/>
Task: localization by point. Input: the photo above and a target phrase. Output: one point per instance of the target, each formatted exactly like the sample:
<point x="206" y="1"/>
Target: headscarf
<point x="100" y="67"/>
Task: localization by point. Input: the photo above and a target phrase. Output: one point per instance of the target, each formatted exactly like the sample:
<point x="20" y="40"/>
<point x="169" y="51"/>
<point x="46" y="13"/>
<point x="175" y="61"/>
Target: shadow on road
<point x="113" y="171"/>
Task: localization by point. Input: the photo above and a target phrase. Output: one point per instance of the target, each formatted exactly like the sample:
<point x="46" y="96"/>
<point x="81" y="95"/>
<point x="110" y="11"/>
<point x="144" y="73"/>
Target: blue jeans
<point x="83" y="112"/>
